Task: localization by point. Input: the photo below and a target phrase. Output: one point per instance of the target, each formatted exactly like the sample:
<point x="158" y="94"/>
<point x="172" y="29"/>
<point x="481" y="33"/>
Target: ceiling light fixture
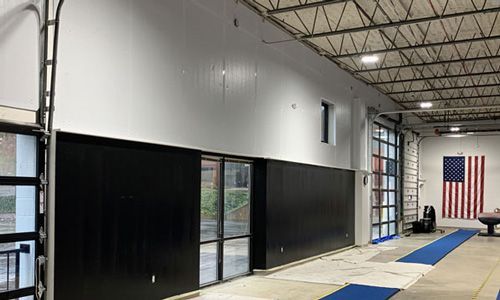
<point x="454" y="129"/>
<point x="368" y="59"/>
<point x="426" y="105"/>
<point x="455" y="135"/>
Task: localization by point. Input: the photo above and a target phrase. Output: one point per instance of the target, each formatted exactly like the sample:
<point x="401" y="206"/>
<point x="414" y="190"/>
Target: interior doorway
<point x="225" y="218"/>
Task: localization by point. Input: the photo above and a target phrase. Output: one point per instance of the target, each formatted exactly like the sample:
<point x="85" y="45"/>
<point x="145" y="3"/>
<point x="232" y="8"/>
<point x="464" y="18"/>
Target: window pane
<point x="375" y="164"/>
<point x="392" y="137"/>
<point x="376" y="181"/>
<point x="384" y="230"/>
<point x="383" y="166"/>
<point x="11" y="254"/>
<point x="392" y="152"/>
<point x="385" y="198"/>
<point x="392" y="214"/>
<point x="375" y="216"/>
<point x="324" y="122"/>
<point x="375" y="232"/>
<point x="392" y="182"/>
<point x="392" y="198"/>
<point x="391" y="167"/>
<point x="209" y="199"/>
<point x="375" y="147"/>
<point x="17" y="155"/>
<point x="376" y="131"/>
<point x="384" y="216"/>
<point x="208" y="263"/>
<point x="383" y="134"/>
<point x="236" y="199"/>
<point x="392" y="228"/>
<point x="385" y="181"/>
<point x="17" y="209"/>
<point x="376" y="198"/>
<point x="383" y="149"/>
<point x="236" y="257"/>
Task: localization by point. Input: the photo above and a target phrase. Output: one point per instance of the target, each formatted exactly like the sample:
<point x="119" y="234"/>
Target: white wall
<point x="431" y="164"/>
<point x="19" y="54"/>
<point x="153" y="70"/>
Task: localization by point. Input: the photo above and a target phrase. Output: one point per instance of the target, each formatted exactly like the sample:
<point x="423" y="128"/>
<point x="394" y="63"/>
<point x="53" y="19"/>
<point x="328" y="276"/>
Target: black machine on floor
<point x="428" y="223"/>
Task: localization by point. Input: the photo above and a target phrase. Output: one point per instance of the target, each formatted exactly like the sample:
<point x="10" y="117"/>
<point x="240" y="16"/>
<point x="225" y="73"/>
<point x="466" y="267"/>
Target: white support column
<point x="359" y="161"/>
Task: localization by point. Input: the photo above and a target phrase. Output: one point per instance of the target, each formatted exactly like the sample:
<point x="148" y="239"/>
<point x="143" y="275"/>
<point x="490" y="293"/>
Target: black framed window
<point x="325" y="123"/>
<point x="385" y="181"/>
<point x="19" y="211"/>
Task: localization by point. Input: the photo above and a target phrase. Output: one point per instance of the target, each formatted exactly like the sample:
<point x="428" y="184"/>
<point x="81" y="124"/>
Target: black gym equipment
<point x="490" y="219"/>
<point x="428" y="223"/>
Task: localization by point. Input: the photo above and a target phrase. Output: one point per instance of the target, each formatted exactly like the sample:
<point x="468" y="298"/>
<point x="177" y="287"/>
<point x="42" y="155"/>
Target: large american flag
<point x="463" y="186"/>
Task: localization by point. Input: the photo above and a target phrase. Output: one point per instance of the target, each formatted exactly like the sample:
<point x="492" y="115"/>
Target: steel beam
<point x="438" y="77"/>
<point x="427" y="110"/>
<point x="401" y="23"/>
<point x="449" y="99"/>
<point x="458" y="60"/>
<point x="468" y="107"/>
<point x="463" y="114"/>
<point x="445" y="88"/>
<point x="491" y="123"/>
<point x="413" y="47"/>
<point x="304" y="6"/>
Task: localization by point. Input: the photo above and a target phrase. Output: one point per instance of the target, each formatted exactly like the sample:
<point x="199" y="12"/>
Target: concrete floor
<point x="472" y="271"/>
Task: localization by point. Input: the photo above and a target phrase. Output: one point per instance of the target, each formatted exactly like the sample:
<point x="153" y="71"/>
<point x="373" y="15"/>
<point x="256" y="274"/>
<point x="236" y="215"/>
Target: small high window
<point x="327" y="123"/>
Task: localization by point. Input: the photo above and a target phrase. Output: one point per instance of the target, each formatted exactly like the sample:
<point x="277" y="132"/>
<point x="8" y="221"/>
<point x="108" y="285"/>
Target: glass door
<point x="225" y="212"/>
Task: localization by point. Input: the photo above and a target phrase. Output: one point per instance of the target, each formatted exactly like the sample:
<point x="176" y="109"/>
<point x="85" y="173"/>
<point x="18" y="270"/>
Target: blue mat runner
<point x="435" y="251"/>
<point x="365" y="292"/>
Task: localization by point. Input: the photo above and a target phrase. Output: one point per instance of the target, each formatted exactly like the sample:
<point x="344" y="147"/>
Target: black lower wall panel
<point x="259" y="214"/>
<point x="125" y="212"/>
<point x="309" y="211"/>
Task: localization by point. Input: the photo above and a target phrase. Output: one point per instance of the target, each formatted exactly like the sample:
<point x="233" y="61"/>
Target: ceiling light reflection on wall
<point x="455" y="135"/>
<point x="426" y="105"/>
<point x="369" y="59"/>
<point x="454" y="129"/>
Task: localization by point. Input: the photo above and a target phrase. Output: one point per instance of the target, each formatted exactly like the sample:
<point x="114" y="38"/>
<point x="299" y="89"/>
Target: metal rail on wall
<point x="46" y="119"/>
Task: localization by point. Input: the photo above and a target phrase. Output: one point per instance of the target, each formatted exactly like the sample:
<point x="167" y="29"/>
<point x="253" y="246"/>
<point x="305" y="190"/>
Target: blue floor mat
<point x="365" y="292"/>
<point x="435" y="251"/>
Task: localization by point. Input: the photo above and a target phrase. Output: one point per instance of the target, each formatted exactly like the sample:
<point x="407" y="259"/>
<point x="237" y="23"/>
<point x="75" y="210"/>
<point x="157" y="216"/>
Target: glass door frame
<point x="35" y="181"/>
<point x="222" y="159"/>
<point x="378" y="174"/>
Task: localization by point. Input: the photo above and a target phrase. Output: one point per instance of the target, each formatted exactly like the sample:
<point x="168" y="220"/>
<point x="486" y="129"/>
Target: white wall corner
<point x="362" y="209"/>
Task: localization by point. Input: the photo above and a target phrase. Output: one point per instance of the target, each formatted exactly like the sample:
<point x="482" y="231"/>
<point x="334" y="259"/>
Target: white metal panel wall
<point x="433" y="149"/>
<point x="19" y="54"/>
<point x="410" y="179"/>
<point x="180" y="73"/>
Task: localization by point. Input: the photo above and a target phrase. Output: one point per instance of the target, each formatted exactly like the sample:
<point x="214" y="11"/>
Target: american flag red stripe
<point x="469" y="190"/>
<point x="481" y="194"/>
<point x="463" y="187"/>
<point x="462" y="201"/>
<point x="475" y="186"/>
